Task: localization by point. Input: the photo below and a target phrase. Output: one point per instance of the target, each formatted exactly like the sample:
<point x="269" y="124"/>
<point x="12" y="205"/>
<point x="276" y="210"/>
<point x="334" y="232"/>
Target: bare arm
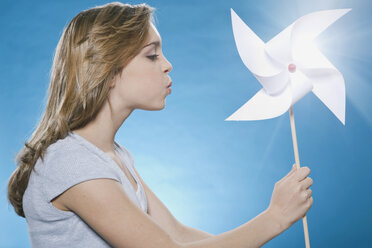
<point x="290" y="201"/>
<point x="266" y="227"/>
<point x="252" y="234"/>
<point x="189" y="234"/>
<point x="161" y="215"/>
<point x="106" y="208"/>
<point x="180" y="232"/>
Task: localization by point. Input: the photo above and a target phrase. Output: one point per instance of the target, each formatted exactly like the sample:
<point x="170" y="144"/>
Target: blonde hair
<point x="92" y="50"/>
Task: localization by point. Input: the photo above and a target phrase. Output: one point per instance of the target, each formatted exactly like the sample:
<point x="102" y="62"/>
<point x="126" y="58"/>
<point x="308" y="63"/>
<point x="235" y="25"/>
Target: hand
<point x="292" y="197"/>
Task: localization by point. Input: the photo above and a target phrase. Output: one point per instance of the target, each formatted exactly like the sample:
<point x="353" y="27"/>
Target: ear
<point x="116" y="77"/>
<point x="113" y="82"/>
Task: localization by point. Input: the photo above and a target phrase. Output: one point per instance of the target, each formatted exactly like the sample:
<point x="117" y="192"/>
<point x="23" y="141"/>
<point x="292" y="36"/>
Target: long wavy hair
<point x="94" y="47"/>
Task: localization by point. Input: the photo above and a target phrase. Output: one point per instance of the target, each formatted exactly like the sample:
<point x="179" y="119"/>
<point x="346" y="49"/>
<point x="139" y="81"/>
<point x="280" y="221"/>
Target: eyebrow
<point x="156" y="43"/>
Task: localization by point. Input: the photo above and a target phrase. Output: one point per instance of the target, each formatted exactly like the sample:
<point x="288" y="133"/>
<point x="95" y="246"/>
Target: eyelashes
<point x="153" y="57"/>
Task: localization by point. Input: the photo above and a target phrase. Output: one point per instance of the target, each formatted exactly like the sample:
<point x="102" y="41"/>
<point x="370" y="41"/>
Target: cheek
<point x="140" y="88"/>
<point x="141" y="80"/>
<point x="147" y="82"/>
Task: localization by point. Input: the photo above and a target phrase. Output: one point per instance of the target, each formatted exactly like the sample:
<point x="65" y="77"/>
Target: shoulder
<point x="107" y="208"/>
<point x="65" y="156"/>
<point x="67" y="163"/>
<point x="67" y="149"/>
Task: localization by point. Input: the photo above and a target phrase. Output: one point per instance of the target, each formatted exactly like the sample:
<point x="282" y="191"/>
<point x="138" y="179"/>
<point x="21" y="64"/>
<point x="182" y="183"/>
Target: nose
<point x="167" y="66"/>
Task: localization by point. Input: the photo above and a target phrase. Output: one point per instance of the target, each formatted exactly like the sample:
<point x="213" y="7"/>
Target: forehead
<point x="153" y="33"/>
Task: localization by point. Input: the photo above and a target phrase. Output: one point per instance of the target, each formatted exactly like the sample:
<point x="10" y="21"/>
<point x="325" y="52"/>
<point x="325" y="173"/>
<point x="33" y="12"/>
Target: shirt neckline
<point x="107" y="157"/>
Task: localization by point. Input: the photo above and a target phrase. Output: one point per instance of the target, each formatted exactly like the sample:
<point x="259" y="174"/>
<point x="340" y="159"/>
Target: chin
<point x="154" y="108"/>
<point x="159" y="104"/>
<point x="162" y="105"/>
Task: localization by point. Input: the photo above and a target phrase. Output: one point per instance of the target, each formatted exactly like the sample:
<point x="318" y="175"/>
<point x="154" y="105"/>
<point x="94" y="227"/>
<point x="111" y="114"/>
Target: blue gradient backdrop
<point x="212" y="174"/>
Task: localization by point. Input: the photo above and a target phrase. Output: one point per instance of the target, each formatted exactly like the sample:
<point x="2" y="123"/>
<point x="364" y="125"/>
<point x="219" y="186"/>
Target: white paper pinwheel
<point x="289" y="66"/>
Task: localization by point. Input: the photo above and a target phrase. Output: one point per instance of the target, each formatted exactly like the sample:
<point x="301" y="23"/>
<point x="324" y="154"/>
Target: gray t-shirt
<point x="68" y="162"/>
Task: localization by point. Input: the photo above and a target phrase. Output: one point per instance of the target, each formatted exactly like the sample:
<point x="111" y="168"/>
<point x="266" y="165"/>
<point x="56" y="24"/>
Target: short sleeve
<point x="65" y="167"/>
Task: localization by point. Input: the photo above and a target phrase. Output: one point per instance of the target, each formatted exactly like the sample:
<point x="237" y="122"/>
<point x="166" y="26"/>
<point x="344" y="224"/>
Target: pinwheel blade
<point x="300" y="86"/>
<point x="308" y="27"/>
<point x="251" y="49"/>
<point x="263" y="106"/>
<point x="279" y="47"/>
<point x="329" y="87"/>
<point x="300" y="33"/>
<point x="309" y="57"/>
<point x="328" y="83"/>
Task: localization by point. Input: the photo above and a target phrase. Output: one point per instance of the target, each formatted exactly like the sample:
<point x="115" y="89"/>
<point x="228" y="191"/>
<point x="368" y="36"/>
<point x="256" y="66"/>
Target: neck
<point x="102" y="130"/>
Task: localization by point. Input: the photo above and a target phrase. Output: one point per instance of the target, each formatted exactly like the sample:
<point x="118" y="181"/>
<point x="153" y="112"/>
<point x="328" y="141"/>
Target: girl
<point x="77" y="187"/>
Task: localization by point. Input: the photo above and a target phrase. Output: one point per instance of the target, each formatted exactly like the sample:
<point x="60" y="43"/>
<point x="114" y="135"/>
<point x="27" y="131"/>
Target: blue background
<point x="212" y="174"/>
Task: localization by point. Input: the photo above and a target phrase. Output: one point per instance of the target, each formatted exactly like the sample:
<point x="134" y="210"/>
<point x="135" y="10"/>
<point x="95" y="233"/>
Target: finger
<point x="307" y="182"/>
<point x="311" y="200"/>
<point x="309" y="193"/>
<point x="293" y="170"/>
<point x="309" y="203"/>
<point x="302" y="173"/>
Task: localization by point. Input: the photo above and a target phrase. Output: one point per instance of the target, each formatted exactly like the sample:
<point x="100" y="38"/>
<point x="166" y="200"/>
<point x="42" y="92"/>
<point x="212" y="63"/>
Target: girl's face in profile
<point x="143" y="82"/>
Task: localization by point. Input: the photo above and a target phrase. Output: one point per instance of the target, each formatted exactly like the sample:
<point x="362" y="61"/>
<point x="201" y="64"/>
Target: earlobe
<point x="112" y="83"/>
<point x="116" y="77"/>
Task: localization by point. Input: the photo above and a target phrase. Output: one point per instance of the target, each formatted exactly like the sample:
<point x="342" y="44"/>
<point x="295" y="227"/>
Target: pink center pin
<point x="292" y="68"/>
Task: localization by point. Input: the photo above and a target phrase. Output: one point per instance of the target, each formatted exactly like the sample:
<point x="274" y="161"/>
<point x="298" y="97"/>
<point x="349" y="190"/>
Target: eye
<point x="153" y="57"/>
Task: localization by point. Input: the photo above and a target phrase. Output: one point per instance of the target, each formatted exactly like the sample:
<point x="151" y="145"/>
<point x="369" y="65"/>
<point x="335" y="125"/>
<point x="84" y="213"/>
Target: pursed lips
<point x="169" y="87"/>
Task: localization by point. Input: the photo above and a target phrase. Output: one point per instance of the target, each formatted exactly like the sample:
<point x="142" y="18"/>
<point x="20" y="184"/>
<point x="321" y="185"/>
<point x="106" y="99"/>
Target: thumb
<point x="292" y="170"/>
<point x="289" y="173"/>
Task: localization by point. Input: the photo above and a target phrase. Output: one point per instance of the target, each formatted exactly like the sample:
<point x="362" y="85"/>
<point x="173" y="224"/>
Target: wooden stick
<point x="297" y="159"/>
